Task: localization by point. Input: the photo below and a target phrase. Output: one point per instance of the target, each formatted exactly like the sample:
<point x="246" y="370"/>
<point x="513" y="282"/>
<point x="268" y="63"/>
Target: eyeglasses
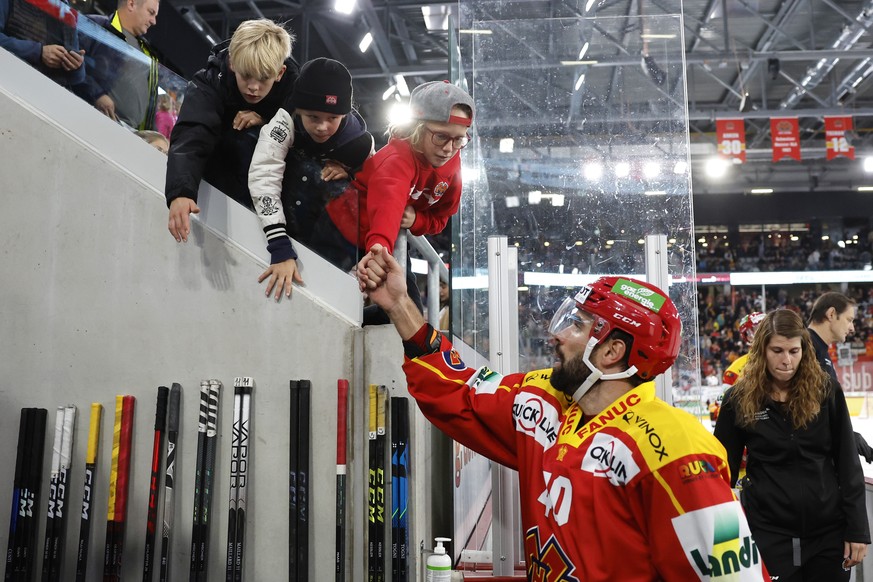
<point x="440" y="139"/>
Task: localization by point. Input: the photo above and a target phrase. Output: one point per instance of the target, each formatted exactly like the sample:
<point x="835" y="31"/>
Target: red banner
<point x="731" y="136"/>
<point x="785" y="133"/>
<point x="835" y="137"/>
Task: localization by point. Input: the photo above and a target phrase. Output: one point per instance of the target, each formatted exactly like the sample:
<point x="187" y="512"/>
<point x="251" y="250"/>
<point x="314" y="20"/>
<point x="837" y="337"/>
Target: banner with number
<point x="785" y="133"/>
<point x="731" y="136"/>
<point x="835" y="137"/>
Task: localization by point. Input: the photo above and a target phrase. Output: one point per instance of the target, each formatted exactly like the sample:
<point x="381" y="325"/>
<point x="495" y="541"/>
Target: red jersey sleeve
<point x="387" y="195"/>
<point x="474" y="407"/>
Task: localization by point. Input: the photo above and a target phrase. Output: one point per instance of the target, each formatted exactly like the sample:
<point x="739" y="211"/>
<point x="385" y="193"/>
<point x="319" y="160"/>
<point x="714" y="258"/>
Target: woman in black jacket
<point x="804" y="489"/>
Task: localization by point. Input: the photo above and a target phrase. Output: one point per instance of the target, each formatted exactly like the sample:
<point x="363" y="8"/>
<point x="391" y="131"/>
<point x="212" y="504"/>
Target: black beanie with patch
<point x="323" y="85"/>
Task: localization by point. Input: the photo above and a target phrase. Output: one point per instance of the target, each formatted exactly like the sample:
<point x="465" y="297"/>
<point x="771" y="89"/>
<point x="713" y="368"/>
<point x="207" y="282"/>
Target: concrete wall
<point x="96" y="299"/>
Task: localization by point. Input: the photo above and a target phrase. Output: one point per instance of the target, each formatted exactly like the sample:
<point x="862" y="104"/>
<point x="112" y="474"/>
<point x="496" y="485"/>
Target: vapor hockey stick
<point x="238" y="478"/>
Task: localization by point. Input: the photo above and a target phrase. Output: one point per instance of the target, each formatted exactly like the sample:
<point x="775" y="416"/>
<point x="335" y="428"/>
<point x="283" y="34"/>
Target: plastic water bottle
<point x="439" y="564"/>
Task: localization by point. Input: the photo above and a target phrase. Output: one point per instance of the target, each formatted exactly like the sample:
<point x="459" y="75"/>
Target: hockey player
<point x="747" y="327"/>
<point x="615" y="484"/>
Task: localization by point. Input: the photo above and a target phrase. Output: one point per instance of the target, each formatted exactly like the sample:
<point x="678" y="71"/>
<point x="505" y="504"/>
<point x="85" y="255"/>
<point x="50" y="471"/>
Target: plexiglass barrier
<point x="580" y="150"/>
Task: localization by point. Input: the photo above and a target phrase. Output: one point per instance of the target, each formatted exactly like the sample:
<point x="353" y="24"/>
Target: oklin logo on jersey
<point x="718" y="543"/>
<point x="610" y="458"/>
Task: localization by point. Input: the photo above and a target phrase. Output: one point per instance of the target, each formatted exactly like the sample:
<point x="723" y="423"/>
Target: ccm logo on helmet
<point x="626" y="319"/>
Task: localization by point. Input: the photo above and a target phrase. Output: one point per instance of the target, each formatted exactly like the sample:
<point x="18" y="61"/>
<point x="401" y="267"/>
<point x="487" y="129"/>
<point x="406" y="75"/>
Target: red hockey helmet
<point x="748" y="325"/>
<point x="636" y="307"/>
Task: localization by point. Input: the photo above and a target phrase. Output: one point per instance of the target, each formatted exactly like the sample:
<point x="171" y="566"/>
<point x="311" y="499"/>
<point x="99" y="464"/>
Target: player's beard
<point x="570" y="375"/>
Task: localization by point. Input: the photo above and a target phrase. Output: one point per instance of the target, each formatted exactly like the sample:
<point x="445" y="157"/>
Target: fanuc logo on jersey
<point x="718" y="543"/>
<point x="610" y="458"/>
<point x="533" y="416"/>
<point x="643" y="295"/>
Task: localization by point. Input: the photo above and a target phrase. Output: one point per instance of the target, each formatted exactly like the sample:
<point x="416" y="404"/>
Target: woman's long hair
<point x="807" y="389"/>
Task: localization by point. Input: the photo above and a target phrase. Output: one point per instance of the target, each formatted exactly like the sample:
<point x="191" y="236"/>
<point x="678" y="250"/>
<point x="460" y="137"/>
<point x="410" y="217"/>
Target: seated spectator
<point x="245" y="82"/>
<point x="165" y="118"/>
<point x="154" y="139"/>
<point x="296" y="159"/>
<point x="126" y="89"/>
<point x="46" y="37"/>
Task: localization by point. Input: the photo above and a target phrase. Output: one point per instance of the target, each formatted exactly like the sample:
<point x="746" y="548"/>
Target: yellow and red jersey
<point x="734" y="371"/>
<point x="638" y="492"/>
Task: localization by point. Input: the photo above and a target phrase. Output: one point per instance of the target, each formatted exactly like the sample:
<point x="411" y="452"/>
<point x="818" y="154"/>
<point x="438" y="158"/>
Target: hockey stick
<point x="342" y="389"/>
<point x="196" y="529"/>
<point x="88" y="491"/>
<point x="210" y="453"/>
<point x="154" y="483"/>
<point x="56" y="553"/>
<point x="380" y="483"/>
<point x="169" y="479"/>
<point x="371" y="488"/>
<point x="292" y="479"/>
<point x="118" y="498"/>
<point x="303" y="481"/>
<point x="238" y="477"/>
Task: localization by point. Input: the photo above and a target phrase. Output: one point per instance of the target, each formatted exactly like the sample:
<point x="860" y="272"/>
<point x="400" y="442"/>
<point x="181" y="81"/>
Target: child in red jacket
<point x="414" y="181"/>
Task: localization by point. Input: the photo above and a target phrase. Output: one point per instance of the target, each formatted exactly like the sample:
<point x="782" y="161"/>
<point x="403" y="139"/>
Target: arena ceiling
<point x="749" y="59"/>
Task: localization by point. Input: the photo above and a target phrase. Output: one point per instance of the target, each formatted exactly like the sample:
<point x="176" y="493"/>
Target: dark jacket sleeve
<point x="731" y="437"/>
<point x="848" y="467"/>
<point x="26" y="50"/>
<point x="194" y="137"/>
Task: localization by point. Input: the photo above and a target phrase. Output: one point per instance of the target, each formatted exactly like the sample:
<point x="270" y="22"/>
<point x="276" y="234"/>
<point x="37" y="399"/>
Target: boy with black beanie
<point x="302" y="160"/>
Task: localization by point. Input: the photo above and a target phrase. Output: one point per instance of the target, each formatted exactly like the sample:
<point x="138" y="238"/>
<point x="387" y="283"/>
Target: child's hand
<point x="180" y="223"/>
<point x="247" y="119"/>
<point x="281" y="276"/>
<point x="408" y="217"/>
<point x="333" y="171"/>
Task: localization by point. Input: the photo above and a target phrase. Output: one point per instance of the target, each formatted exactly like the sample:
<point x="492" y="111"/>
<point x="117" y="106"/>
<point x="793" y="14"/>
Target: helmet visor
<point x="569" y="319"/>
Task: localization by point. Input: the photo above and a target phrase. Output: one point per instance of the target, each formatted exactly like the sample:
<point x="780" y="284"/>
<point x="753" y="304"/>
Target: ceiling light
<point x="825" y="237"/>
<point x="588" y="5"/>
<point x="865" y="188"/>
<point x="512" y="201"/>
<point x="655" y="192"/>
<point x="402" y="87"/>
<point x="761" y="191"/>
<point x="579" y="82"/>
<point x="622" y="169"/>
<point x="579" y="243"/>
<point x="399" y="114"/>
<point x="436" y="17"/>
<point x="651" y="170"/>
<point x="388" y="92"/>
<point x="557" y="199"/>
<point x="577" y="63"/>
<point x="366" y="42"/>
<point x="657" y="36"/>
<point x="475" y="31"/>
<point x="716" y="167"/>
<point x="592" y="171"/>
<point x="680" y="167"/>
<point x="610" y="242"/>
<point x="583" y="51"/>
<point x="547" y="243"/>
<point x="344" y="6"/>
<point x="534" y="197"/>
<point x="507" y="144"/>
<point x="868" y="164"/>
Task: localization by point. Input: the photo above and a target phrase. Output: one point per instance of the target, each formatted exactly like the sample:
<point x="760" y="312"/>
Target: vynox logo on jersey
<point x="718" y="543"/>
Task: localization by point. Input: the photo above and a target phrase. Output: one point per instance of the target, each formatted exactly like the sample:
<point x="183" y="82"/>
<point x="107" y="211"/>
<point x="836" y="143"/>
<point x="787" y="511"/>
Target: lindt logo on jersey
<point x="646" y="297"/>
